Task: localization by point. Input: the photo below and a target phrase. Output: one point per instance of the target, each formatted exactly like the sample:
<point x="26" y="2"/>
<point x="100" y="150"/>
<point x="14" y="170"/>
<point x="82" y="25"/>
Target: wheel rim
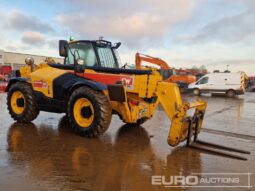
<point x="196" y="92"/>
<point x="18" y="102"/>
<point x="83" y="112"/>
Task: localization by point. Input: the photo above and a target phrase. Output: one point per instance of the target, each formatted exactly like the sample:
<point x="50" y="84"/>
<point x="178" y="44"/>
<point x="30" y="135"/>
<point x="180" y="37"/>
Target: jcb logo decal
<point x="128" y="81"/>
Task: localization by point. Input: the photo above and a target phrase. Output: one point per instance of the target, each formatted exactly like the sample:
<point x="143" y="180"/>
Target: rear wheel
<point x="196" y="92"/>
<point x="89" y="112"/>
<point x="21" y="102"/>
<point x="231" y="93"/>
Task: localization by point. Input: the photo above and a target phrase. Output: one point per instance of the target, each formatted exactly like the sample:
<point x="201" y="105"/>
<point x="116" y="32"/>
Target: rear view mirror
<point x="63" y="48"/>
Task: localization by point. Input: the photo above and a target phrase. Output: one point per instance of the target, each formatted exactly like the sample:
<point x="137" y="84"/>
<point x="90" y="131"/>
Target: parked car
<point x="229" y="83"/>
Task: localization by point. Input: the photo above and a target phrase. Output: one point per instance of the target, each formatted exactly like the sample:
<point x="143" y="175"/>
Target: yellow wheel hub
<point x="18" y="102"/>
<point x="83" y="112"/>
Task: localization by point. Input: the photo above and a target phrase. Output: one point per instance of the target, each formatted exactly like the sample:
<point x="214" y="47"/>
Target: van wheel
<point x="231" y="93"/>
<point x="196" y="92"/>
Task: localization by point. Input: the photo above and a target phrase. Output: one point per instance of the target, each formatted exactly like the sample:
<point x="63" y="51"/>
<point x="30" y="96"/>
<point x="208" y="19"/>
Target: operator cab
<point x="98" y="55"/>
<point x="90" y="54"/>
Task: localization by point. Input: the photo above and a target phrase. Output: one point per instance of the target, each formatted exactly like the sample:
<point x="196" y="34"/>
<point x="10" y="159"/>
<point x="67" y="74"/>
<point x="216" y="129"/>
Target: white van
<point x="230" y="83"/>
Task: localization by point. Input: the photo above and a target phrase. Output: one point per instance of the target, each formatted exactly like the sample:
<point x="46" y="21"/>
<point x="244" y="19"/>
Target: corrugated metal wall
<point x="17" y="60"/>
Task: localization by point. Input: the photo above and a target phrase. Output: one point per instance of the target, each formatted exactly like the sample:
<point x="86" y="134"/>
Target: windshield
<point x="203" y="81"/>
<point x="84" y="51"/>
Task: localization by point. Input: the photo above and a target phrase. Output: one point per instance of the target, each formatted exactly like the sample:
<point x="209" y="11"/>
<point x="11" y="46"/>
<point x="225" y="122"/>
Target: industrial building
<point x="17" y="60"/>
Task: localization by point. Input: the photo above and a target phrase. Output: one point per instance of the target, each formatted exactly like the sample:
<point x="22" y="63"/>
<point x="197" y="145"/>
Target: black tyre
<point x="21" y="102"/>
<point x="231" y="93"/>
<point x="196" y="92"/>
<point x="89" y="112"/>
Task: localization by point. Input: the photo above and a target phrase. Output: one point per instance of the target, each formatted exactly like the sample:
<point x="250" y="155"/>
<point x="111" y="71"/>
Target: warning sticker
<point x="40" y="84"/>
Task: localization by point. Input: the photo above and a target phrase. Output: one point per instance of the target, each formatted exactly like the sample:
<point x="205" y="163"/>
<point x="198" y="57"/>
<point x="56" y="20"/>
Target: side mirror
<point x="80" y="62"/>
<point x="116" y="45"/>
<point x="63" y="48"/>
<point x="78" y="66"/>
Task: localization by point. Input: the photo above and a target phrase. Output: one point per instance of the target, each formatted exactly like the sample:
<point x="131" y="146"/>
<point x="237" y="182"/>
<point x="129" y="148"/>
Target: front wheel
<point x="89" y="112"/>
<point x="21" y="102"/>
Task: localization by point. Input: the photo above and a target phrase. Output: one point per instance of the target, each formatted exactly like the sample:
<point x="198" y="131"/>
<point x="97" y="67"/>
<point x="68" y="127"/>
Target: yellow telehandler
<point x="91" y="86"/>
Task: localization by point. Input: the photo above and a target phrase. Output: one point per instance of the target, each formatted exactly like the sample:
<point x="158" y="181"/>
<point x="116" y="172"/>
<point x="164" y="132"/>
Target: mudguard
<point x="68" y="82"/>
<point x="92" y="84"/>
<point x="14" y="80"/>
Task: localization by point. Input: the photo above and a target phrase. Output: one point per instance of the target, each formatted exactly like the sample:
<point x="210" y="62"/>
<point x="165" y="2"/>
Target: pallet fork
<point x="210" y="147"/>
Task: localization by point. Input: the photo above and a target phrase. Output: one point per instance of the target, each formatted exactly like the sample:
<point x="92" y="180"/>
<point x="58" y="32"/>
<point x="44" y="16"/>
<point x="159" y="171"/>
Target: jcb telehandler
<point x="91" y="86"/>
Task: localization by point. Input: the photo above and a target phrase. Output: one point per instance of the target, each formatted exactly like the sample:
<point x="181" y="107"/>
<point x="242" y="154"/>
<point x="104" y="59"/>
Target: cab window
<point x="84" y="51"/>
<point x="106" y="57"/>
<point x="203" y="81"/>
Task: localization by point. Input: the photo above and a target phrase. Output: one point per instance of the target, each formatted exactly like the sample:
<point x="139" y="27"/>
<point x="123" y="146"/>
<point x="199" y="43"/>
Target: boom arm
<point x="157" y="61"/>
<point x="170" y="99"/>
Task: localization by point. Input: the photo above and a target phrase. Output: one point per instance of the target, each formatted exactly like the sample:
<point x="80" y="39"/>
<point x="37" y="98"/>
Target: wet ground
<point x="47" y="155"/>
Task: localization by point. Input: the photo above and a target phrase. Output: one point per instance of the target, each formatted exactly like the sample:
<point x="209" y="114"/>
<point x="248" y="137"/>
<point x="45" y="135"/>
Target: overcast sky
<point x="214" y="33"/>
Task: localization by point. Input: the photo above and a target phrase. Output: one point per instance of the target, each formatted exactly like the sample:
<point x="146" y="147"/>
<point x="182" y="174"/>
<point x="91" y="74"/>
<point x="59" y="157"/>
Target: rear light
<point x="133" y="102"/>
